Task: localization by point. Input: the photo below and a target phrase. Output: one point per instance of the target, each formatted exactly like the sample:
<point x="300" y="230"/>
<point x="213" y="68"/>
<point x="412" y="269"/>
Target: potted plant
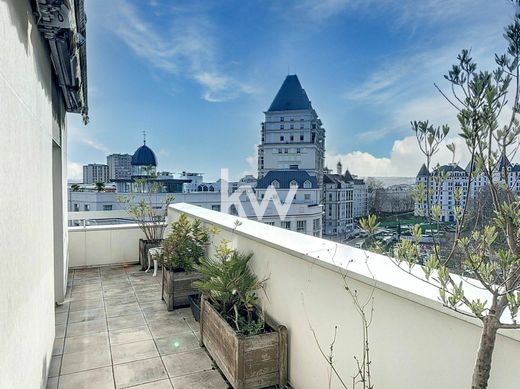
<point x="249" y="347"/>
<point x="149" y="208"/>
<point x="182" y="249"/>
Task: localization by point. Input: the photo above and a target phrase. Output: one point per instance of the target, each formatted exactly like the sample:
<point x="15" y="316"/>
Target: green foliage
<point x="231" y="286"/>
<point x="100" y="186"/>
<point x="185" y="244"/>
<point x="149" y="209"/>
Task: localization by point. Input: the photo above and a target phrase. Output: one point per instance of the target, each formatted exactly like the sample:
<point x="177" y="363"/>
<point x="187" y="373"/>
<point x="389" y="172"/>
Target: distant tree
<point x="100" y="186"/>
<point x="481" y="101"/>
<point x="374" y="188"/>
<point x="75" y="187"/>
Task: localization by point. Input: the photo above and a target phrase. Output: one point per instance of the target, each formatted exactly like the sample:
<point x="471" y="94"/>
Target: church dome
<point x="144" y="156"/>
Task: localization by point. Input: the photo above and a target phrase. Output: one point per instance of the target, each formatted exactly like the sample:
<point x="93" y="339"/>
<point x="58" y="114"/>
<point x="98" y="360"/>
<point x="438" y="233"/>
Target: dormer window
<point x="275" y="184"/>
<point x="307" y="184"/>
<point x="293" y="184"/>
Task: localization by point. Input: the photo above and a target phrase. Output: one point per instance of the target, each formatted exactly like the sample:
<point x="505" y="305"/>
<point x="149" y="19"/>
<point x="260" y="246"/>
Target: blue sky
<point x="197" y="76"/>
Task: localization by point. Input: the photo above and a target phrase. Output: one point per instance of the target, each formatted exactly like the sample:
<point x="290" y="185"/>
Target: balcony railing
<point x="414" y="340"/>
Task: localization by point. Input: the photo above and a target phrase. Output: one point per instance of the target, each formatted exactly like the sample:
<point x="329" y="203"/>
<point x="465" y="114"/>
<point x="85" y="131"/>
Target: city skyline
<point x="145" y="75"/>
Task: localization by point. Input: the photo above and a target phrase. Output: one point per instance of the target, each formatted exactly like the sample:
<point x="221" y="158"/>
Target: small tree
<point x="75" y="187"/>
<point x="149" y="208"/>
<point x="100" y="186"/>
<point x="480" y="98"/>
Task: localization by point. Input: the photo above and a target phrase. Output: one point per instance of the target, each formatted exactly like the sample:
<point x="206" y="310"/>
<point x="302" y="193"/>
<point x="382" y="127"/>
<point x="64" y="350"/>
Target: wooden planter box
<point x="177" y="287"/>
<point x="248" y="362"/>
<point x="144" y="246"/>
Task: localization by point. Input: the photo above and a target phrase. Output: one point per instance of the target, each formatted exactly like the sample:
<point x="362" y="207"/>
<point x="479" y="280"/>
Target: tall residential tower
<point x="292" y="134"/>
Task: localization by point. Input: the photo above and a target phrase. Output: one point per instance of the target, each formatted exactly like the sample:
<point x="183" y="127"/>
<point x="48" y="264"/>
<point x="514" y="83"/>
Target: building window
<point x="293" y="183"/>
<point x="233" y="210"/>
<point x="279" y="151"/>
<point x="292" y="138"/>
<point x="215" y="207"/>
<point x="86" y="207"/>
<point x="281" y="138"/>
<point x="76" y="207"/>
<point x="107" y="207"/>
<point x="281" y="119"/>
<point x="281" y="126"/>
<point x="301" y="138"/>
<point x="286" y="151"/>
<point x="307" y="196"/>
<point x="298" y="150"/>
<point x="275" y="184"/>
<point x="293" y="167"/>
<point x="286" y="225"/>
<point x="307" y="184"/>
<point x="270" y="223"/>
<point x="292" y="126"/>
<point x="301" y="225"/>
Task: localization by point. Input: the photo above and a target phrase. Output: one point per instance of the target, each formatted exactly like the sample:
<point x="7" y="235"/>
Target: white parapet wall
<point x="104" y="245"/>
<point x="414" y="341"/>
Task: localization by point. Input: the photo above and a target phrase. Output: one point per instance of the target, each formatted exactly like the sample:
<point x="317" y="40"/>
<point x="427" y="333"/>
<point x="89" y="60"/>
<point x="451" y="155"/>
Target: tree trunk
<point x="485" y="353"/>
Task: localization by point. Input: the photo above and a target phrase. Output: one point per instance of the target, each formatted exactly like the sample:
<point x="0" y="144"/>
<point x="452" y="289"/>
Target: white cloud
<point x="411" y="14"/>
<point x="405" y="159"/>
<point x="188" y="48"/>
<point x="80" y="135"/>
<point x="74" y="171"/>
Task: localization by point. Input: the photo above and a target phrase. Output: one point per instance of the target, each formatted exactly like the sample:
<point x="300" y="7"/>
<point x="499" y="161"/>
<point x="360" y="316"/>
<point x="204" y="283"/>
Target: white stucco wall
<point x="414" y="341"/>
<point x="103" y="245"/>
<point x="26" y="223"/>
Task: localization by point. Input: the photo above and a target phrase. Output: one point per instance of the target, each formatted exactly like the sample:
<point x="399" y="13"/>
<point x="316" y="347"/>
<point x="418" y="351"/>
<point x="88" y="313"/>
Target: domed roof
<point x="144" y="156"/>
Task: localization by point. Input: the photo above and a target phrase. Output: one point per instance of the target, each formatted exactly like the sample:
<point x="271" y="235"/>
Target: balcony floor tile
<point x="113" y="331"/>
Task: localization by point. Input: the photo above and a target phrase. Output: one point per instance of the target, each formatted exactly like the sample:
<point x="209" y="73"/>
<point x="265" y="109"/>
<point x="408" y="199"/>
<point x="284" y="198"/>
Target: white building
<point x="292" y="135"/>
<point x="338" y="194"/>
<point x="445" y="179"/>
<point x="119" y="166"/>
<point x="360" y="198"/>
<point x="94" y="173"/>
<point x="42" y="77"/>
<point x="291" y="155"/>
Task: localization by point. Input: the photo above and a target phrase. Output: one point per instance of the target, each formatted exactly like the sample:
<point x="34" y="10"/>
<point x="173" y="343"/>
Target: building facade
<point x="360" y="198"/>
<point x="444" y="180"/>
<point x="338" y="196"/>
<point x="42" y="78"/>
<point x="291" y="155"/>
<point x="119" y="167"/>
<point x="292" y="136"/>
<point x="94" y="173"/>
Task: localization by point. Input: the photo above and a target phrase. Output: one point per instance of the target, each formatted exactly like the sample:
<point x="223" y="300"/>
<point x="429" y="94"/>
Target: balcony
<point x="114" y="331"/>
<point x="414" y="340"/>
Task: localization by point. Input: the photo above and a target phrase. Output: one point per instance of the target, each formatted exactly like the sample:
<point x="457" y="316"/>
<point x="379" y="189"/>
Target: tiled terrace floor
<point x="114" y="332"/>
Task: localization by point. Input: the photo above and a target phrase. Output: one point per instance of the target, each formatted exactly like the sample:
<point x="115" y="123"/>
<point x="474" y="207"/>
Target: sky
<point x="198" y="75"/>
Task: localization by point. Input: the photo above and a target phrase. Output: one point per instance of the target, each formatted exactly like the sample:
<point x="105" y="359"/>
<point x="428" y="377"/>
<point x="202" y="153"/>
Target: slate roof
<point x="144" y="156"/>
<point x="284" y="178"/>
<point x="449" y="169"/>
<point x="348" y="176"/>
<point x="291" y="96"/>
<point x="423" y="172"/>
<point x="336" y="179"/>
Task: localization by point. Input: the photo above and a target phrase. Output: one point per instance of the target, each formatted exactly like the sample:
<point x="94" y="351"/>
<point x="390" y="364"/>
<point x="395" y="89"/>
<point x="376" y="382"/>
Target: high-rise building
<point x="95" y="172"/>
<point x="291" y="155"/>
<point x="292" y="134"/>
<point x="119" y="167"/>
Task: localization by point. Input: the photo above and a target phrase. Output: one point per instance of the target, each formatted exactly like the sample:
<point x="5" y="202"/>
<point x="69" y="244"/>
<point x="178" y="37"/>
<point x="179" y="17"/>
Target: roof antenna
<point x="144" y="137"/>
